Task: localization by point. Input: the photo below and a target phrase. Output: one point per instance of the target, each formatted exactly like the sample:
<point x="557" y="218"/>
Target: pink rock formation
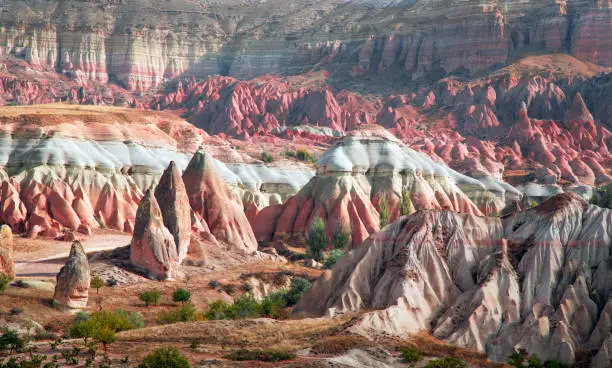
<point x="153" y="248"/>
<point x="173" y="202"/>
<point x="7" y="262"/>
<point x="72" y="284"/>
<point x="211" y="200"/>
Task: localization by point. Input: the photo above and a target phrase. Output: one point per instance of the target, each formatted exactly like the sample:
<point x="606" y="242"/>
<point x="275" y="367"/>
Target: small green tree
<point x="105" y="336"/>
<point x="97" y="283"/>
<point x="412" y="355"/>
<point x="316" y="240"/>
<point x="340" y="239"/>
<point x="165" y="357"/>
<point x="151" y="297"/>
<point x="405" y="203"/>
<point x="10" y="340"/>
<point x="383" y="210"/>
<point x="181" y="295"/>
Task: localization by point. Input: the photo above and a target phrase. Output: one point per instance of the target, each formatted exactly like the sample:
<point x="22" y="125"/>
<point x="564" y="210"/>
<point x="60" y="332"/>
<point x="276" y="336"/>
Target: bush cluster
<point x="165" y="357"/>
<point x="272" y="306"/>
<point x="412" y="355"/>
<point x="103" y="325"/>
<point x="447" y="362"/>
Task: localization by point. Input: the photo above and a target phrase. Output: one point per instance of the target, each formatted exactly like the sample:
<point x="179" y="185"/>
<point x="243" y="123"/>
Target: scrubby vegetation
<point x="152" y="297"/>
<point x="259" y="355"/>
<point x="267" y="157"/>
<point x="185" y="313"/>
<point x="103" y="325"/>
<point x="405" y="205"/>
<point x="10" y="341"/>
<point x="412" y="355"/>
<point x="4" y="281"/>
<point x="332" y="258"/>
<point x="181" y="295"/>
<point x="519" y="359"/>
<point x="339" y="344"/>
<point x="165" y="357"/>
<point x="302" y="155"/>
<point x="316" y="239"/>
<point x="602" y="197"/>
<point x="447" y="362"/>
<point x="340" y="239"/>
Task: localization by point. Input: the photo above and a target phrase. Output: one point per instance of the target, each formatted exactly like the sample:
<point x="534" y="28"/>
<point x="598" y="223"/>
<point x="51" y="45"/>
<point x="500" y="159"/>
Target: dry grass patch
<point x="340" y="344"/>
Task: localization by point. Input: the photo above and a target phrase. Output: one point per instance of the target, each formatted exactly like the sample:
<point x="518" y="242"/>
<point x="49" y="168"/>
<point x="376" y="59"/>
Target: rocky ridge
<point x="537" y="279"/>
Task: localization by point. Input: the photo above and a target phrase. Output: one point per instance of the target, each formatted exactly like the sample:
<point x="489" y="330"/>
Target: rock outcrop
<point x="153" y="248"/>
<point x="7" y="261"/>
<point x="366" y="167"/>
<point x="538" y="281"/>
<point x="72" y="282"/>
<point x="212" y="202"/>
<point x="173" y="202"/>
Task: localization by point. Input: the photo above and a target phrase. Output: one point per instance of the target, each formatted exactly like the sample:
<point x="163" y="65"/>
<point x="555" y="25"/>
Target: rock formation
<point x="7" y="262"/>
<point x="538" y="281"/>
<point x="175" y="209"/>
<point x="366" y="166"/>
<point x="72" y="282"/>
<point x="153" y="248"/>
<point x="211" y="200"/>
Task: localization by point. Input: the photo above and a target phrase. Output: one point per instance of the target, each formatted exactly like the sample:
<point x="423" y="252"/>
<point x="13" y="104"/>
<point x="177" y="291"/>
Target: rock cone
<point x="210" y="198"/>
<point x="173" y="202"/>
<point x="153" y="248"/>
<point x="72" y="287"/>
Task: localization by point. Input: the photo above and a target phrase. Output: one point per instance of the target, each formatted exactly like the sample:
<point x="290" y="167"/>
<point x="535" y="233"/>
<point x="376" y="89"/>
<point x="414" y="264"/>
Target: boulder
<point x="72" y="286"/>
<point x="153" y="248"/>
<point x="7" y="262"/>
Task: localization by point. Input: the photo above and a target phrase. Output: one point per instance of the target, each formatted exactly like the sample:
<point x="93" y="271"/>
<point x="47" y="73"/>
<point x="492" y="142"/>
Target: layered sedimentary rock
<point x="71" y="168"/>
<point x="72" y="284"/>
<point x="153" y="248"/>
<point x="369" y="166"/>
<point x="211" y="201"/>
<point x="7" y="262"/>
<point x="141" y="46"/>
<point x="536" y="280"/>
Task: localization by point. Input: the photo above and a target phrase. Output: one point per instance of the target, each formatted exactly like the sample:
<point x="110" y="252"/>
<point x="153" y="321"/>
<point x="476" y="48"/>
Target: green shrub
<point x="10" y="340"/>
<point x="151" y="297"/>
<point x="181" y="295"/>
<point x="219" y="309"/>
<point x="273" y="306"/>
<point x="4" y="281"/>
<point x="303" y="155"/>
<point x="185" y="313"/>
<point x="245" y="307"/>
<point x="316" y="239"/>
<point x="259" y="355"/>
<point x="332" y="258"/>
<point x="165" y="357"/>
<point x="266" y="157"/>
<point x="448" y="362"/>
<point x="102" y="326"/>
<point x="383" y="211"/>
<point x="412" y="355"/>
<point x="340" y="239"/>
<point x="22" y="284"/>
<point x="298" y="287"/>
<point x="134" y="318"/>
<point x="213" y="284"/>
<point x="290" y="154"/>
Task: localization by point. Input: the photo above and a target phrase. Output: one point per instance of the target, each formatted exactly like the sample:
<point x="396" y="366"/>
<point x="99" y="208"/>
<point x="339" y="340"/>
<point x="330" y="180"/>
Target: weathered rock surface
<point x="211" y="200"/>
<point x="72" y="284"/>
<point x="173" y="202"/>
<point x="7" y="262"/>
<point x="366" y="166"/>
<point x="153" y="248"/>
<point x="538" y="281"/>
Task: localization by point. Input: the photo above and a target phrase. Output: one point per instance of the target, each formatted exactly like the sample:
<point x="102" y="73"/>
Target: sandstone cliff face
<point x="538" y="281"/>
<point x="141" y="46"/>
<point x="366" y="166"/>
<point x="72" y="287"/>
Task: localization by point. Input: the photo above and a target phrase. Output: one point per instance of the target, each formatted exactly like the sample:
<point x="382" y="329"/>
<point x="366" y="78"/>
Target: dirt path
<point x="44" y="257"/>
